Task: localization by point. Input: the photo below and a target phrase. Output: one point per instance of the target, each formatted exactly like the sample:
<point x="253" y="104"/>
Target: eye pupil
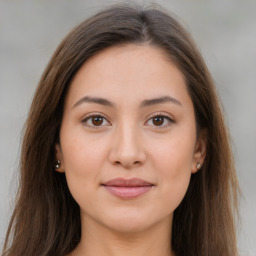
<point x="97" y="120"/>
<point x="158" y="120"/>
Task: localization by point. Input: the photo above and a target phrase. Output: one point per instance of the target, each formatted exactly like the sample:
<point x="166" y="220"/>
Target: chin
<point x="128" y="222"/>
<point x="129" y="227"/>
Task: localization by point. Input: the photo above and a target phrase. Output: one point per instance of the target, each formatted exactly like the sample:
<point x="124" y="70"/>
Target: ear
<point x="200" y="151"/>
<point x="58" y="155"/>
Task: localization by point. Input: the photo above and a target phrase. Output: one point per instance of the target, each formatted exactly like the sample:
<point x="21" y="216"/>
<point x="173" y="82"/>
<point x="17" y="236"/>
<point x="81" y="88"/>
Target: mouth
<point x="128" y="188"/>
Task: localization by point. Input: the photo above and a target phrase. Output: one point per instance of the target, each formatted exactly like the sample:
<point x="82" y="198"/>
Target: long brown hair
<point x="46" y="219"/>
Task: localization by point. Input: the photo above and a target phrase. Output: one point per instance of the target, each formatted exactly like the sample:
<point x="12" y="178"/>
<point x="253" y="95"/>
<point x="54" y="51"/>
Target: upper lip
<point x="133" y="182"/>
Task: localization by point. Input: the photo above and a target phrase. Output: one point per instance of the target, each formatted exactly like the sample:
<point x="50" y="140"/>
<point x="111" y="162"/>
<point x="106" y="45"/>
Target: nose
<point x="127" y="148"/>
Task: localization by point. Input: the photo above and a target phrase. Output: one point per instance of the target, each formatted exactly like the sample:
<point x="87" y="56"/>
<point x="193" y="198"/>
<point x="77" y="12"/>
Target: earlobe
<point x="200" y="151"/>
<point x="59" y="164"/>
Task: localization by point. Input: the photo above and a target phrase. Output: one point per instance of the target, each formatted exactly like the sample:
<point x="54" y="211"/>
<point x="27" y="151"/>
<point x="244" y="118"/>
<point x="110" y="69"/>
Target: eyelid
<point x="158" y="114"/>
<point x="90" y="115"/>
<point x="170" y="119"/>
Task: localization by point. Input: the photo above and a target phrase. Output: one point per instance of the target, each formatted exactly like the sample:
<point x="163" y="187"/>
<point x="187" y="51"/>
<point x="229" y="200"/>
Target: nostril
<point x="117" y="163"/>
<point x="128" y="164"/>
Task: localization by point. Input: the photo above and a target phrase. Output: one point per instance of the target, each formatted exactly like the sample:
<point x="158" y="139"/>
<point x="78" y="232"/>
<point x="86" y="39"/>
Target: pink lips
<point x="127" y="188"/>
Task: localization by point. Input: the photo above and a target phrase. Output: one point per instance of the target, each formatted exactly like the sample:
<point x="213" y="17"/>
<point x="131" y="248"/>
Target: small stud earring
<point x="58" y="164"/>
<point x="198" y="166"/>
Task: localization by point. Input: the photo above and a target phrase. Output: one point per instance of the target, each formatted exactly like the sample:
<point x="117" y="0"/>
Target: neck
<point x="98" y="240"/>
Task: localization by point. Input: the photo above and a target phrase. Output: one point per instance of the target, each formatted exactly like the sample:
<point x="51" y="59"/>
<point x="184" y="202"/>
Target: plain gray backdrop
<point x="225" y="32"/>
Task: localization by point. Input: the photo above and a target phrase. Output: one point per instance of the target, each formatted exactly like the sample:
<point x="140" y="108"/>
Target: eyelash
<point x="88" y="117"/>
<point x="169" y="120"/>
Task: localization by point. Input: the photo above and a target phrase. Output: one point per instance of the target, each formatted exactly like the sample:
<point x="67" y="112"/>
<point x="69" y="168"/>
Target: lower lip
<point x="128" y="192"/>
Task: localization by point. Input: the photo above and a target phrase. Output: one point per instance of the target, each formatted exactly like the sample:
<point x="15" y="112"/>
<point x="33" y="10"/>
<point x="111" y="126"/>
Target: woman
<point x="125" y="150"/>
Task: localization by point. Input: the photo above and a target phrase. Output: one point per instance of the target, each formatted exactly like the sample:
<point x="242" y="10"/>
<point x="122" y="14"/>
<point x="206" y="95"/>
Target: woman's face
<point x="128" y="140"/>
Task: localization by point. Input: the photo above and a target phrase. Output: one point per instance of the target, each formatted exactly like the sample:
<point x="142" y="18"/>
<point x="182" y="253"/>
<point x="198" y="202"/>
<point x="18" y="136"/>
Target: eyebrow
<point x="160" y="100"/>
<point x="144" y="103"/>
<point x="97" y="100"/>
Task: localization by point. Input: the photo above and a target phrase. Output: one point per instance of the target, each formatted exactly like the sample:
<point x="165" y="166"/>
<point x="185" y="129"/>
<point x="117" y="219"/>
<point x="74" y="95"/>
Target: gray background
<point x="225" y="32"/>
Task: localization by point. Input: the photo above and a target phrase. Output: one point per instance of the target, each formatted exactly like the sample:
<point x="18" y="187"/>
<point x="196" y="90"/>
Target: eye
<point x="95" y="120"/>
<point x="160" y="120"/>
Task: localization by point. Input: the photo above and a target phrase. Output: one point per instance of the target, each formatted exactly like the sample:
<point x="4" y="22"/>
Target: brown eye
<point x="161" y="121"/>
<point x="158" y="120"/>
<point x="97" y="120"/>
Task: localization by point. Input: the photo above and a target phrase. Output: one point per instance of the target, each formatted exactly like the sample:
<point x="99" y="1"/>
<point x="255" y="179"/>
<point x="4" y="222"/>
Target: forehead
<point x="128" y="72"/>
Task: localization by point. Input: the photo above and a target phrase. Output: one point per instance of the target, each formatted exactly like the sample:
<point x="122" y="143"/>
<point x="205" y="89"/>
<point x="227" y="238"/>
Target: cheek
<point x="81" y="153"/>
<point x="83" y="161"/>
<point x="175" y="153"/>
<point x="173" y="162"/>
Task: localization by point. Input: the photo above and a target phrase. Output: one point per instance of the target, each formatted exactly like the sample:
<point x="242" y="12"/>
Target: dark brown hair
<point x="46" y="219"/>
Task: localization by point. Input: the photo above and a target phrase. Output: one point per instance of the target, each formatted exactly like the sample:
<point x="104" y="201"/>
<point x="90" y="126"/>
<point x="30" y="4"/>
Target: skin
<point x="128" y="142"/>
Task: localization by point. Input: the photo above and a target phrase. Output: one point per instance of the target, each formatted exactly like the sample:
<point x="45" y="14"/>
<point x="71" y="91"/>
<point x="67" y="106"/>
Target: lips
<point x="127" y="188"/>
